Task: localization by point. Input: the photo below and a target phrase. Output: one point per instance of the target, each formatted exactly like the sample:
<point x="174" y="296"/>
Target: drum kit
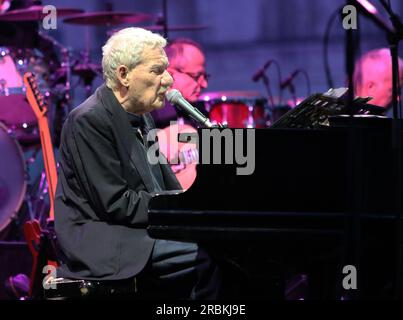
<point x="18" y="124"/>
<point x="236" y="109"/>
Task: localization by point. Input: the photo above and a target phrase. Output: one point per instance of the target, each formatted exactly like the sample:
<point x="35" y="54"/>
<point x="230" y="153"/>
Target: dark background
<point x="242" y="36"/>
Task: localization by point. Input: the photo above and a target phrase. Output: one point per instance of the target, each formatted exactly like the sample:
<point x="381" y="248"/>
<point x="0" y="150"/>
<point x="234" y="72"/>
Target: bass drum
<point x="13" y="184"/>
<point x="15" y="111"/>
<point x="236" y="109"/>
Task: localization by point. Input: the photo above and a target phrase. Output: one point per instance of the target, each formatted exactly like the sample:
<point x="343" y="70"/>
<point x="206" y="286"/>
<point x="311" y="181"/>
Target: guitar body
<point x="182" y="157"/>
<point x="187" y="176"/>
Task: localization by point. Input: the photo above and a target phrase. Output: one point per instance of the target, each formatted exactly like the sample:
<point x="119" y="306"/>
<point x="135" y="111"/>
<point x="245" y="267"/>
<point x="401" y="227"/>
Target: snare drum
<point x="12" y="177"/>
<point x="236" y="109"/>
<point x="15" y="111"/>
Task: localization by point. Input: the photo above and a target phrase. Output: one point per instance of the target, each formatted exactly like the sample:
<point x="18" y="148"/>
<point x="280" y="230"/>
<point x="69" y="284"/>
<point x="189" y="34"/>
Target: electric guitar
<point x="182" y="157"/>
<point x="40" y="240"/>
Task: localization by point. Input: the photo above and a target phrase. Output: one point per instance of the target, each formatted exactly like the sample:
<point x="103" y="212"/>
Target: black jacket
<point x="103" y="191"/>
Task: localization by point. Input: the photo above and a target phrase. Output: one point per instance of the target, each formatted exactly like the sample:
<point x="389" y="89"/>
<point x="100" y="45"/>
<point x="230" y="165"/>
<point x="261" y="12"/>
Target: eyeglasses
<point x="196" y="76"/>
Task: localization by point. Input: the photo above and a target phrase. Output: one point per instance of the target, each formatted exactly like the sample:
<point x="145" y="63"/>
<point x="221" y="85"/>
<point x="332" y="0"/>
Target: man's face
<point x="148" y="82"/>
<point x="379" y="85"/>
<point x="382" y="91"/>
<point x="190" y="77"/>
<point x="377" y="82"/>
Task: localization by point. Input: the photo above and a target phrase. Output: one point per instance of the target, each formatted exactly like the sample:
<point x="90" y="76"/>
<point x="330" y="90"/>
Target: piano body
<point x="318" y="199"/>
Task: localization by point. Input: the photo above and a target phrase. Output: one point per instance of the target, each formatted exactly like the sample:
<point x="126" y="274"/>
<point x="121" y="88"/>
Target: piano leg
<point x="248" y="275"/>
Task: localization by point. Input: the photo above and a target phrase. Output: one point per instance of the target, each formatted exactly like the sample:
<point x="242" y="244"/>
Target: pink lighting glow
<point x="368" y="6"/>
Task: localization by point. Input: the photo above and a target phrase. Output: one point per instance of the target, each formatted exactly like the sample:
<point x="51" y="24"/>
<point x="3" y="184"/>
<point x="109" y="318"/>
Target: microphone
<point x="256" y="77"/>
<point x="176" y="98"/>
<point x="287" y="82"/>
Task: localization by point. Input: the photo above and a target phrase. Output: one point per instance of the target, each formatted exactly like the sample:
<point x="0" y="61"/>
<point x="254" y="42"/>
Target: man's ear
<point x="122" y="74"/>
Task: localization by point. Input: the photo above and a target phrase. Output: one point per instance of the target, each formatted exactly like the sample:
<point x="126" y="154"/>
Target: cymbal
<point x="107" y="18"/>
<point x="83" y="70"/>
<point x="87" y="67"/>
<point x="87" y="71"/>
<point x="160" y="28"/>
<point x="34" y="13"/>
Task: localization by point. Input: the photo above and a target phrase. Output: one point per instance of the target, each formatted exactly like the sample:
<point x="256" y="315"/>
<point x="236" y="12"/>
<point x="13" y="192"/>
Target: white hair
<point x="125" y="47"/>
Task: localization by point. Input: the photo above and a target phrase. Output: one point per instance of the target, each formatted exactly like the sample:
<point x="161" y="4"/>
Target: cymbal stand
<point x="36" y="192"/>
<point x="165" y="15"/>
<point x="162" y="19"/>
<point x="86" y="71"/>
<point x="65" y="64"/>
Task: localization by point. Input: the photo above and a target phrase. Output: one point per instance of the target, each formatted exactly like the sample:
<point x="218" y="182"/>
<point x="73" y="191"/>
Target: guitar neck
<point x="49" y="162"/>
<point x="37" y="104"/>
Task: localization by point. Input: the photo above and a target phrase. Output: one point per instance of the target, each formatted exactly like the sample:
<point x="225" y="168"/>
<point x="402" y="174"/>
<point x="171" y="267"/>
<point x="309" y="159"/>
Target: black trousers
<point x="181" y="270"/>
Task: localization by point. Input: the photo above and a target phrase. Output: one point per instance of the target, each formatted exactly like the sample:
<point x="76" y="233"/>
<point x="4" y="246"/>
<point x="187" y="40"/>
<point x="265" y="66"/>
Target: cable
<point x="261" y="74"/>
<point x="280" y="92"/>
<point x="308" y="81"/>
<point x="326" y="45"/>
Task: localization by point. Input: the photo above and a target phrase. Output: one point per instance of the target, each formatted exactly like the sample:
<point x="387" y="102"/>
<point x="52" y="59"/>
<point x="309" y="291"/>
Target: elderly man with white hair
<point x="105" y="180"/>
<point x="373" y="77"/>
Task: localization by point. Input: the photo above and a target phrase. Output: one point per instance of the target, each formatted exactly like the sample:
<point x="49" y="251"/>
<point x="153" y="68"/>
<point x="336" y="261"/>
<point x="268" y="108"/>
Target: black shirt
<point x="141" y="130"/>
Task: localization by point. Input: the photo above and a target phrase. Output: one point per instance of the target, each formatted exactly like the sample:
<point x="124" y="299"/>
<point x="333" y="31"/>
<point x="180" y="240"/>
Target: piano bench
<point x="64" y="289"/>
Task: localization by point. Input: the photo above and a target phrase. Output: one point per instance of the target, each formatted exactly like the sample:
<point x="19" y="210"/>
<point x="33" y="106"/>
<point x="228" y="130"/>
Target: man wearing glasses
<point x="187" y="67"/>
<point x="373" y="78"/>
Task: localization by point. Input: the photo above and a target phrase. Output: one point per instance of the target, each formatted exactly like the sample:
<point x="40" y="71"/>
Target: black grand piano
<point x="320" y="197"/>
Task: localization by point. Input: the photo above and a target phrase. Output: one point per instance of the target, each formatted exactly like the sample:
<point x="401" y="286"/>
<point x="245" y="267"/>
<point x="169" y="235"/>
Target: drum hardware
<point x="64" y="88"/>
<point x="3" y="88"/>
<point x="15" y="112"/>
<point x="184" y="27"/>
<point x="289" y="83"/>
<point x="87" y="71"/>
<point x="236" y="109"/>
<point x="261" y="74"/>
<point x="107" y="18"/>
<point x="173" y="28"/>
<point x="35" y="204"/>
<point x="61" y="79"/>
<point x="13" y="182"/>
<point x="35" y="13"/>
<point x="251" y="121"/>
<point x="36" y="195"/>
<point x="161" y="25"/>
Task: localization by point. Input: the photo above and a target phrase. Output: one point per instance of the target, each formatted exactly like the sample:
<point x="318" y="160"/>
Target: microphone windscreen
<point x="173" y="96"/>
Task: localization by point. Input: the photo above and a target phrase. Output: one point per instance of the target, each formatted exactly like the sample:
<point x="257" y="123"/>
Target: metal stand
<point x="394" y="39"/>
<point x="36" y="193"/>
<point x="394" y="35"/>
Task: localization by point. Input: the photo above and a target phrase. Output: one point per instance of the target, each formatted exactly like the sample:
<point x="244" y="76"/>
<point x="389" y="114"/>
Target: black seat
<point x="63" y="289"/>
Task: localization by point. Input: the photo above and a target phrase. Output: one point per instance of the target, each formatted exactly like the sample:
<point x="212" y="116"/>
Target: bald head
<point x="373" y="76"/>
<point x="187" y="66"/>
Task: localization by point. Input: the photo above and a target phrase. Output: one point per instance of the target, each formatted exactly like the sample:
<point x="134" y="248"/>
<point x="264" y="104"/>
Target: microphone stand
<point x="292" y="90"/>
<point x="394" y="39"/>
<point x="352" y="232"/>
<point x="394" y="35"/>
<point x="267" y="85"/>
<point x="291" y="87"/>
